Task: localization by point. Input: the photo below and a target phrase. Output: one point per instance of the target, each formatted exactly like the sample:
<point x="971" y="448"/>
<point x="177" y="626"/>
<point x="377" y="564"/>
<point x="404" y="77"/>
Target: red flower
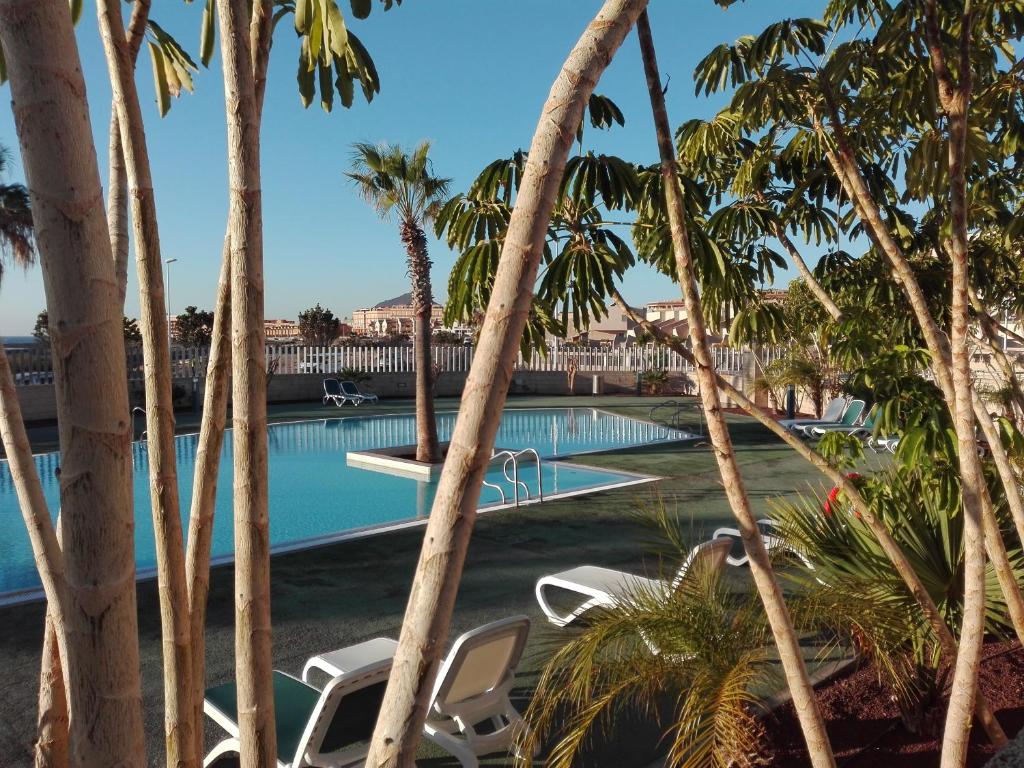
<point x="837" y="491"/>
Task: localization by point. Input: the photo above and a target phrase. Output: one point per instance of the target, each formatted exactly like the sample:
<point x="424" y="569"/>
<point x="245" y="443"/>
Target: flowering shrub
<point x="837" y="500"/>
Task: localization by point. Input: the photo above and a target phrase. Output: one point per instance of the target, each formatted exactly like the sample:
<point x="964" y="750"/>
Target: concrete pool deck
<point x="351" y="591"/>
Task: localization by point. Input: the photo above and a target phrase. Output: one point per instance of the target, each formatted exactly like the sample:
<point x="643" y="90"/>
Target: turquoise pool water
<point x="315" y="496"/>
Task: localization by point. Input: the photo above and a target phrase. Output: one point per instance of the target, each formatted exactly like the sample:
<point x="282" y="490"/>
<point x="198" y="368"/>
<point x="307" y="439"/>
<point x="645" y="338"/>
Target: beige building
<point x="393" y="316"/>
<point x="279" y="330"/>
<point x="671" y="316"/>
<point x="614" y="328"/>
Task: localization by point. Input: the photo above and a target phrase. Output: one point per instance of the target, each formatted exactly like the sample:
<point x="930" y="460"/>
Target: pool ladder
<point x="137" y="409"/>
<point x="675" y="410"/>
<point x="512" y="458"/>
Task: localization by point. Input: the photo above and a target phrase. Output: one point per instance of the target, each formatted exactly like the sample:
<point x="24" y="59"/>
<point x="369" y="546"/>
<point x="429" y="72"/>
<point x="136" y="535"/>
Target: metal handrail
<point x="673" y="420"/>
<point x="512" y="457"/>
<point x="138" y="409"/>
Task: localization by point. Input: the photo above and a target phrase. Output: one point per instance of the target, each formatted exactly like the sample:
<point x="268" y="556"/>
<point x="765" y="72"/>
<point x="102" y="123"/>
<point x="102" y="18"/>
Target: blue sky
<point x="468" y="75"/>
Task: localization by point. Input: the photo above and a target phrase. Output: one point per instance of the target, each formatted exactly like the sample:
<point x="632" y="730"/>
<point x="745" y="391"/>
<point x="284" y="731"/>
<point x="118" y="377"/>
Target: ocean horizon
<point x="18" y="341"/>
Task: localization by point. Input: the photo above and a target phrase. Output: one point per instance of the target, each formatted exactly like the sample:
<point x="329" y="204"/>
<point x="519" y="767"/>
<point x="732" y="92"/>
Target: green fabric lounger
<point x="864" y="428"/>
<point x="851" y="417"/>
<point x="832" y="413"/>
<point x="329" y="728"/>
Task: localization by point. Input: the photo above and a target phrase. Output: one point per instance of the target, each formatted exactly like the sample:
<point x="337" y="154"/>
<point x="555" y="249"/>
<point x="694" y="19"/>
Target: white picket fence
<point x="34" y="365"/>
<point x="292" y="359"/>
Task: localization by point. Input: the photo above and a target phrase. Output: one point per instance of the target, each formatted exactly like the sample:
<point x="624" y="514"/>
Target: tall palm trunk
<point x="52" y="118"/>
<point x="947" y="642"/>
<point x="786" y="641"/>
<point x="253" y="663"/>
<point x="415" y="243"/>
<point x="204" y="486"/>
<point x="163" y="474"/>
<point x="446" y="540"/>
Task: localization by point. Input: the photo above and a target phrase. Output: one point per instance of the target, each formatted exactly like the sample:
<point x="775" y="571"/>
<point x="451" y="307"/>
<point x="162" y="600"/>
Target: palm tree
<point x="16" y="238"/>
<point x="394" y="182"/>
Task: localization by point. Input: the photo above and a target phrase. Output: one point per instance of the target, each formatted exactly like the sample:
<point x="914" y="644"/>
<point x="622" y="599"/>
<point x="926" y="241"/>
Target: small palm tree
<point x="403" y="185"/>
<point x="16" y="237"/>
<point x="693" y="658"/>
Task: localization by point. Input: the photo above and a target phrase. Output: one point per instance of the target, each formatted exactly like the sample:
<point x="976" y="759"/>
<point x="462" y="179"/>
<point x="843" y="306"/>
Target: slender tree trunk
<point x="41" y="532"/>
<point x="947" y="642"/>
<point x="436" y="581"/>
<point x="1007" y="331"/>
<point x="786" y="641"/>
<point x="427" y="449"/>
<point x="211" y="432"/>
<point x="117" y="206"/>
<point x="204" y="485"/>
<point x="52" y="119"/>
<point x="810" y="280"/>
<point x="954" y="100"/>
<point x="117" y="175"/>
<point x="253" y="663"/>
<point x="843" y="162"/>
<point x="163" y="474"/>
<point x="52" y="728"/>
<point x="52" y="725"/>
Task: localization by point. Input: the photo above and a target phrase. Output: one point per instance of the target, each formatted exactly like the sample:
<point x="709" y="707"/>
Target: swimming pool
<point x="315" y="497"/>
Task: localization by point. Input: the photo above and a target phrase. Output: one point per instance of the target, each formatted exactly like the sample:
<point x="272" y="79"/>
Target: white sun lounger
<point x="352" y="392"/>
<point x="774" y="543"/>
<point x="606" y="587"/>
<point x="472" y="688"/>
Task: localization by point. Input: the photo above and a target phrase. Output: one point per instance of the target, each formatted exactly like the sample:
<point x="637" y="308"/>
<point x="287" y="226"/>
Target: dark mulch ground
<point x="864" y="725"/>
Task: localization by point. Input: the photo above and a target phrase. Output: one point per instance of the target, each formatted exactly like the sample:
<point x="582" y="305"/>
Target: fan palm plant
<point x="694" y="657"/>
<point x="16" y="239"/>
<point x="855" y="590"/>
<point x="403" y="185"/>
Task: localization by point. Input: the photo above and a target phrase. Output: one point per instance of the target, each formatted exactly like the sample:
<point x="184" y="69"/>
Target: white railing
<point x="291" y="359"/>
<point x="35" y="366"/>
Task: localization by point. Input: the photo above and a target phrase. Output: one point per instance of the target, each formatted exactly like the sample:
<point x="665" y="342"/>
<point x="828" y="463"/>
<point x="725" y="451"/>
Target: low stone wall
<point x="38" y="401"/>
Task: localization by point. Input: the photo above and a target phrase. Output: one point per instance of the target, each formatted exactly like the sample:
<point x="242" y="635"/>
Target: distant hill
<point x="399" y="301"/>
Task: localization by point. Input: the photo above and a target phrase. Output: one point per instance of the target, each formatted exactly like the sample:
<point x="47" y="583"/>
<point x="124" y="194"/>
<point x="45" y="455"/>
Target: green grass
<point x="344" y="593"/>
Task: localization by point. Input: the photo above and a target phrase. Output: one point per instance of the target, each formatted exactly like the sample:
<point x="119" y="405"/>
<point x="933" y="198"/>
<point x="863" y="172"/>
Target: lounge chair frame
<point x="357" y="397"/>
<point x="334" y="393"/>
<point x="606" y="587"/>
<point x="452" y="722"/>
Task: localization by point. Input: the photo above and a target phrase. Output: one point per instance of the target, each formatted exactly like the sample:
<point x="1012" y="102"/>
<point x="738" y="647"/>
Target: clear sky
<point x="468" y="75"/>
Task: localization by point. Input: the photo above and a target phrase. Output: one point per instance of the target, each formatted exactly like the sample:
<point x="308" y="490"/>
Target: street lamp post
<point x="167" y="282"/>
